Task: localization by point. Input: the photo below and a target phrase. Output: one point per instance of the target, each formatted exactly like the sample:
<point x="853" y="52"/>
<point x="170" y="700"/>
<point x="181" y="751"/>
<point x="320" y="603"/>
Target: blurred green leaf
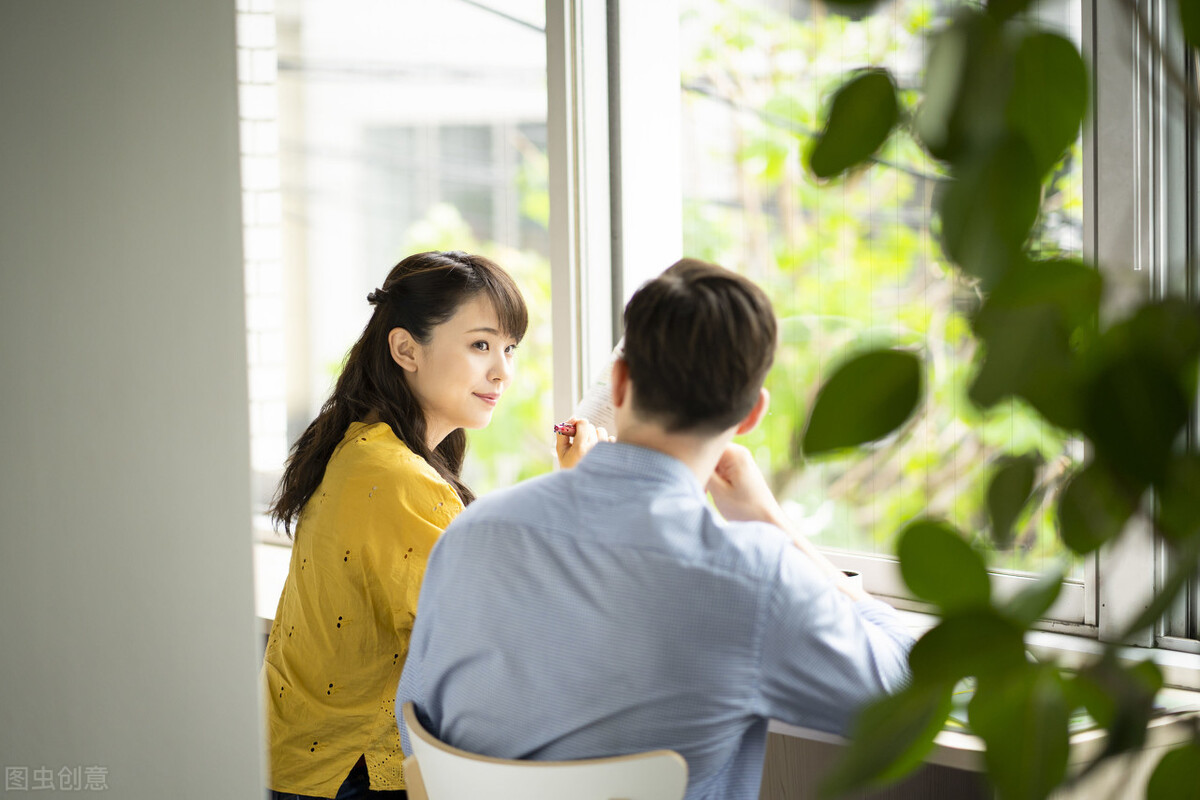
<point x="944" y="75"/>
<point x="1120" y="698"/>
<point x="1028" y="324"/>
<point x="1178" y="509"/>
<point x="940" y="566"/>
<point x="1093" y="508"/>
<point x="976" y="642"/>
<point x="1140" y="383"/>
<point x="1134" y="409"/>
<point x="889" y="738"/>
<point x="1032" y="602"/>
<point x="861" y="117"/>
<point x="1028" y="354"/>
<point x="1068" y="286"/>
<point x="1008" y="492"/>
<point x="1085" y="692"/>
<point x="968" y="77"/>
<point x="988" y="210"/>
<point x="1177" y="776"/>
<point x="1022" y="717"/>
<point x="867" y="398"/>
<point x="1189" y="16"/>
<point x="1167" y="331"/>
<point x="1004" y="9"/>
<point x="854" y="9"/>
<point x="1049" y="96"/>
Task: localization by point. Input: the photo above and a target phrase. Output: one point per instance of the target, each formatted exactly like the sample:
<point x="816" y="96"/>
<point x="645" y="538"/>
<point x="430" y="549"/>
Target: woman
<point x="370" y="486"/>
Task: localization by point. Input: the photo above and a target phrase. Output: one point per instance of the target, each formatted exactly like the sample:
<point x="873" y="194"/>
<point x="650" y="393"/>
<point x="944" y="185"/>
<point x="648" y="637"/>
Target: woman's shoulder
<point x="376" y="475"/>
<point x="374" y="482"/>
<point x="375" y="448"/>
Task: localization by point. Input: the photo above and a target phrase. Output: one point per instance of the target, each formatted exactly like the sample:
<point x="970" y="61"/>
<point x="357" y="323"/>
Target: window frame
<point x="1143" y="213"/>
<point x="581" y="275"/>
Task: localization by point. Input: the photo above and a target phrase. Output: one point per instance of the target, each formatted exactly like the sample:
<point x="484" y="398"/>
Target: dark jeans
<point x="356" y="785"/>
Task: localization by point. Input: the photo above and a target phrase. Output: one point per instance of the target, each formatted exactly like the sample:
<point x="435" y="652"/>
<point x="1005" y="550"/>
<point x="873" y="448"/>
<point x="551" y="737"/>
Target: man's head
<point x="699" y="341"/>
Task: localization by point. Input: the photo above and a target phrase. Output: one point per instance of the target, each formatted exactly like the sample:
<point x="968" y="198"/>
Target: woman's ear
<point x="403" y="348"/>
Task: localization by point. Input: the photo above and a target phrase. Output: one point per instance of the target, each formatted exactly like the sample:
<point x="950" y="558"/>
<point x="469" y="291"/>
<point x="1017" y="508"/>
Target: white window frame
<point x="608" y="72"/>
<point x="581" y="277"/>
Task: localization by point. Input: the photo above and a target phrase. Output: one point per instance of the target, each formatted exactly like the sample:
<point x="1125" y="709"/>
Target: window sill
<point x="964" y="751"/>
<point x="961" y="750"/>
<point x="270" y="571"/>
<point x="1181" y="670"/>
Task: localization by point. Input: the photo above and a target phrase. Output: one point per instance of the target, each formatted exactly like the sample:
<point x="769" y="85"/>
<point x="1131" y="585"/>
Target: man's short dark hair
<point x="699" y="341"/>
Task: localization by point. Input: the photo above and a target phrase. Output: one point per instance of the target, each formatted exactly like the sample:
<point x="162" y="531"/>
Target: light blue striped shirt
<point x="607" y="609"/>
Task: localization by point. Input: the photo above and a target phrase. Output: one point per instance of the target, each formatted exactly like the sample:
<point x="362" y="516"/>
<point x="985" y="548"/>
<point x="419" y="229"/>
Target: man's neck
<point x="699" y="453"/>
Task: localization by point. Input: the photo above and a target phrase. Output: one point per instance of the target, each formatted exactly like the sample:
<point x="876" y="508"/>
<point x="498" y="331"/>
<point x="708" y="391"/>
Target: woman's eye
<point x="512" y="348"/>
<point x="480" y="345"/>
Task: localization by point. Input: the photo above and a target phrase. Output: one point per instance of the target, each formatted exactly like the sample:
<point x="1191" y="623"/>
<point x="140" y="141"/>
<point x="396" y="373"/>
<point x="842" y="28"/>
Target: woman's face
<point x="462" y="370"/>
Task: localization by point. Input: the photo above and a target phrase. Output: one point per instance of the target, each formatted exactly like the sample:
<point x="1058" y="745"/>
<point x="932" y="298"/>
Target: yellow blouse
<point x="340" y="635"/>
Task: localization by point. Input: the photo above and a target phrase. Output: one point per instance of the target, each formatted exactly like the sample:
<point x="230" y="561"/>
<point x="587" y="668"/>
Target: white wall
<point x="127" y="638"/>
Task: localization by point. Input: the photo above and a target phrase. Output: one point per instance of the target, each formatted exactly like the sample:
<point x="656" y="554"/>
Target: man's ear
<point x="751" y="420"/>
<point x="619" y="382"/>
<point x="403" y="348"/>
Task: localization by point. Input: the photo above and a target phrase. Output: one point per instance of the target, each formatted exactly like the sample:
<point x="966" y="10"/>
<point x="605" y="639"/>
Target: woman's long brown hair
<point x="422" y="291"/>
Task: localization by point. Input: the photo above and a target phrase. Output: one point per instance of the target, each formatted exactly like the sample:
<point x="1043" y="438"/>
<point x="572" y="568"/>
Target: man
<point x="608" y="609"/>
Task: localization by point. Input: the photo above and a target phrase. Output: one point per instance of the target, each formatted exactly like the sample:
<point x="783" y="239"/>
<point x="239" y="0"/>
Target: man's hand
<point x="741" y="494"/>
<point x="571" y="449"/>
<point x="740" y="491"/>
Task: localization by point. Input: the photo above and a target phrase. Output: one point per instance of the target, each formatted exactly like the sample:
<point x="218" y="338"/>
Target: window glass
<point x="855" y="264"/>
<point x="405" y="126"/>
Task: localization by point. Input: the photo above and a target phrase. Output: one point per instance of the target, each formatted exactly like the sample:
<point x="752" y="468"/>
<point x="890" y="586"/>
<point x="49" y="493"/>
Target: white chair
<point x="437" y="771"/>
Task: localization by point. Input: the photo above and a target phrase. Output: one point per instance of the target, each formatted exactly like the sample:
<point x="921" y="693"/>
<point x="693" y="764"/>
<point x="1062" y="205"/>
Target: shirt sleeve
<point x="411" y="685"/>
<point x="825" y="655"/>
<point x="408" y="690"/>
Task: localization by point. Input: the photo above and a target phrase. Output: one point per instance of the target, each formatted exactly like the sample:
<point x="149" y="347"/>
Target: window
<point x="373" y="130"/>
<point x="1177" y="147"/>
<point x="856" y="265"/>
<point x="679" y="127"/>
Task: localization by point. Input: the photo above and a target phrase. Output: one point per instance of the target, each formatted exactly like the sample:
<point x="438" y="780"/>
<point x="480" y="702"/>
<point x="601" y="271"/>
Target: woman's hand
<point x="571" y="449"/>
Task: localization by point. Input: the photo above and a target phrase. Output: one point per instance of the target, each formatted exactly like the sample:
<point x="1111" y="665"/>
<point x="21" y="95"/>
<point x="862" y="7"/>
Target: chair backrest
<point x="437" y="771"/>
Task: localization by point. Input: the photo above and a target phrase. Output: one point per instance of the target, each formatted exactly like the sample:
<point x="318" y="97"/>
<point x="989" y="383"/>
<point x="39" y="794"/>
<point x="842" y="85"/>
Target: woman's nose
<point x="501" y="370"/>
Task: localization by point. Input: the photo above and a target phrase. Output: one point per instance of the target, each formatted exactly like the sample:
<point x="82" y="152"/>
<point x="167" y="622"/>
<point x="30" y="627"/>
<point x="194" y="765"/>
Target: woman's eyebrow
<point x="492" y="331"/>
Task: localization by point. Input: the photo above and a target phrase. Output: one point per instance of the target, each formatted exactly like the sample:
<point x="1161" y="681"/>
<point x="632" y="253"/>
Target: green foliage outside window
<point x="849" y="269"/>
<point x="857" y="266"/>
<point x="1001" y="103"/>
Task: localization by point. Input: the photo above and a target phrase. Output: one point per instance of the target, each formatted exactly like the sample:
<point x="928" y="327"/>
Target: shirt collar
<point x="642" y="463"/>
